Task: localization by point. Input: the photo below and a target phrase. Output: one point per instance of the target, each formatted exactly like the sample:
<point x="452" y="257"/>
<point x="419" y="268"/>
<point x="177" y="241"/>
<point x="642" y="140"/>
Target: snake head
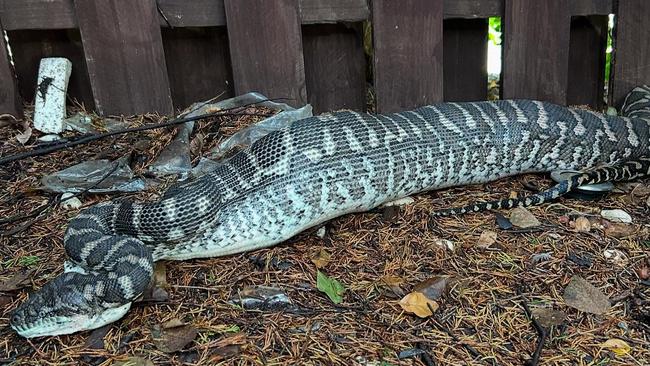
<point x="63" y="306"/>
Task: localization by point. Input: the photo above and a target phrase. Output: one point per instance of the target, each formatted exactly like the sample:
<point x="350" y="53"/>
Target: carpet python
<point x="317" y="169"/>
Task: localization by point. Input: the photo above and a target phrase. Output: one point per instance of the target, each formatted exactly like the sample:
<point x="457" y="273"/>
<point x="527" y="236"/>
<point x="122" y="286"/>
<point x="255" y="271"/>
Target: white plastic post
<point x="51" y="90"/>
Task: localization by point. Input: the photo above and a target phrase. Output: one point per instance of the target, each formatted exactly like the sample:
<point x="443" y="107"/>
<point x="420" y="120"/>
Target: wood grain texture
<point x="407" y="53"/>
<point x="37" y="14"/>
<point x="125" y="59"/>
<point x="473" y="8"/>
<point x="29" y="46"/>
<point x="59" y="14"/>
<point x="195" y="13"/>
<point x="536" y="50"/>
<point x="334" y="67"/>
<point x="266" y="48"/>
<point x="465" y="59"/>
<point x="591" y="7"/>
<point x="198" y="61"/>
<point x="332" y="11"/>
<point x="10" y="101"/>
<point x="587" y="61"/>
<point x="632" y="64"/>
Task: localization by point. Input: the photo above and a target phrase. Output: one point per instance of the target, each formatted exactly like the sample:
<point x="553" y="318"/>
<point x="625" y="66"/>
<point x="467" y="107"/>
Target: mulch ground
<point x="377" y="256"/>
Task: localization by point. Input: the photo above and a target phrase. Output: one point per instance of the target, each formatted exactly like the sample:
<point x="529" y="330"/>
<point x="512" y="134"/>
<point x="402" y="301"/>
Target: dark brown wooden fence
<point x="133" y="56"/>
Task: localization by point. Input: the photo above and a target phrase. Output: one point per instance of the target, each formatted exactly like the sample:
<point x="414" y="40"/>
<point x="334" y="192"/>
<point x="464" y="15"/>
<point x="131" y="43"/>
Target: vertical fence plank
<point x="10" y="101"/>
<point x="198" y="61"/>
<point x="536" y="49"/>
<point x="266" y="48"/>
<point x="29" y="46"/>
<point x="632" y="64"/>
<point x="465" y="59"/>
<point x="586" y="81"/>
<point x="334" y="67"/>
<point x="407" y="53"/>
<point x="124" y="53"/>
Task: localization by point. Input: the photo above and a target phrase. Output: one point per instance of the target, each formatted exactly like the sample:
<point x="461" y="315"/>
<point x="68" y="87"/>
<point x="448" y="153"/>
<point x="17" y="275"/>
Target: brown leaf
<point x="580" y="294"/>
<point x="643" y="272"/>
<point x="96" y="338"/>
<point x="523" y="218"/>
<point x="173" y="335"/>
<point x="619" y="230"/>
<point x="486" y="239"/>
<point x="582" y="225"/>
<point x="394" y="284"/>
<point x="227" y="347"/>
<point x="321" y="259"/>
<point x="17" y="281"/>
<point x="433" y="288"/>
<point x="548" y="317"/>
<point x="418" y="304"/>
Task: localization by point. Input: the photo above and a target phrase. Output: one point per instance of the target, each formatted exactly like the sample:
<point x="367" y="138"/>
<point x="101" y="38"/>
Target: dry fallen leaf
<point x="619" y="230"/>
<point x="173" y="335"/>
<point x="433" y="288"/>
<point x="394" y="284"/>
<point x="616" y="257"/>
<point x="616" y="215"/>
<point x="486" y="239"/>
<point x="418" y="304"/>
<point x="618" y="346"/>
<point x="582" y="225"/>
<point x="580" y="294"/>
<point x="548" y="317"/>
<point x="321" y="259"/>
<point x="523" y="218"/>
<point x="17" y="281"/>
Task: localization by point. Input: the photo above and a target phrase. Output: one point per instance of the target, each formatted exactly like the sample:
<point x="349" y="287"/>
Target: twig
<point x="542" y="332"/>
<point x="476" y="354"/>
<point x="94" y="137"/>
<point x="425" y="357"/>
<point x="50" y="203"/>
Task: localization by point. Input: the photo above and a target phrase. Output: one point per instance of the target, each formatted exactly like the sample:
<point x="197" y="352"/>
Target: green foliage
<point x="28" y="261"/>
<point x="331" y="287"/>
<point x="494" y="31"/>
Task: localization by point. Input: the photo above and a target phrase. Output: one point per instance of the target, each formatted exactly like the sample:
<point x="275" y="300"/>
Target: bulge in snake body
<point x="326" y="166"/>
<point x="317" y="169"/>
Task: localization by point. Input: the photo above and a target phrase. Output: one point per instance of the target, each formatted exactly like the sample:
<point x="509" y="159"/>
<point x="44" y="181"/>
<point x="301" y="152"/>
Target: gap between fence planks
<point x="124" y="54"/>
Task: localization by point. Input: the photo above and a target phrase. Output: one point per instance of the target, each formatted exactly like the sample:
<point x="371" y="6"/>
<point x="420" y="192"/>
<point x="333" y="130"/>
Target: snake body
<point x="317" y="169"/>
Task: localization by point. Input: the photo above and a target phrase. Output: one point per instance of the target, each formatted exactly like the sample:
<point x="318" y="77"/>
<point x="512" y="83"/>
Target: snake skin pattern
<point x="317" y="169"/>
<point x="628" y="170"/>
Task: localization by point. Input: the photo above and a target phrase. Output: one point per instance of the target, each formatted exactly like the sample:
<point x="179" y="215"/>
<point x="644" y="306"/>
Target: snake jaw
<point x="59" y="308"/>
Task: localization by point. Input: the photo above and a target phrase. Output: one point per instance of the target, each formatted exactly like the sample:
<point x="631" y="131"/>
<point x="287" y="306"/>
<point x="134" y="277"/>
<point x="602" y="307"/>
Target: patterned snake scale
<point x="317" y="169"/>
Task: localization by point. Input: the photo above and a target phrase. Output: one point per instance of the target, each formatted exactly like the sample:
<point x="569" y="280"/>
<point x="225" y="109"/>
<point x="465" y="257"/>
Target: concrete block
<point x="51" y="90"/>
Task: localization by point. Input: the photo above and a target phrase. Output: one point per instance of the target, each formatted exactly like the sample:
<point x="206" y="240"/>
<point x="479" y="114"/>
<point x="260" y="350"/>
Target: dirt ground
<point x="378" y="257"/>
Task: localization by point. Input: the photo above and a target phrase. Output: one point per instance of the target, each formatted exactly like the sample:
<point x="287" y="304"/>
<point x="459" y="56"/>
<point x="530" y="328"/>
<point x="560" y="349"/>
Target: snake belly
<point x="312" y="171"/>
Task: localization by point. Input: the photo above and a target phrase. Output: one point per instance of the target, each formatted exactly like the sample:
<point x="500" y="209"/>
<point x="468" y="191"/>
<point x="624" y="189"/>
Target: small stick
<point x="93" y="137"/>
<point x="476" y="354"/>
<point x="542" y="332"/>
<point x="50" y="203"/>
